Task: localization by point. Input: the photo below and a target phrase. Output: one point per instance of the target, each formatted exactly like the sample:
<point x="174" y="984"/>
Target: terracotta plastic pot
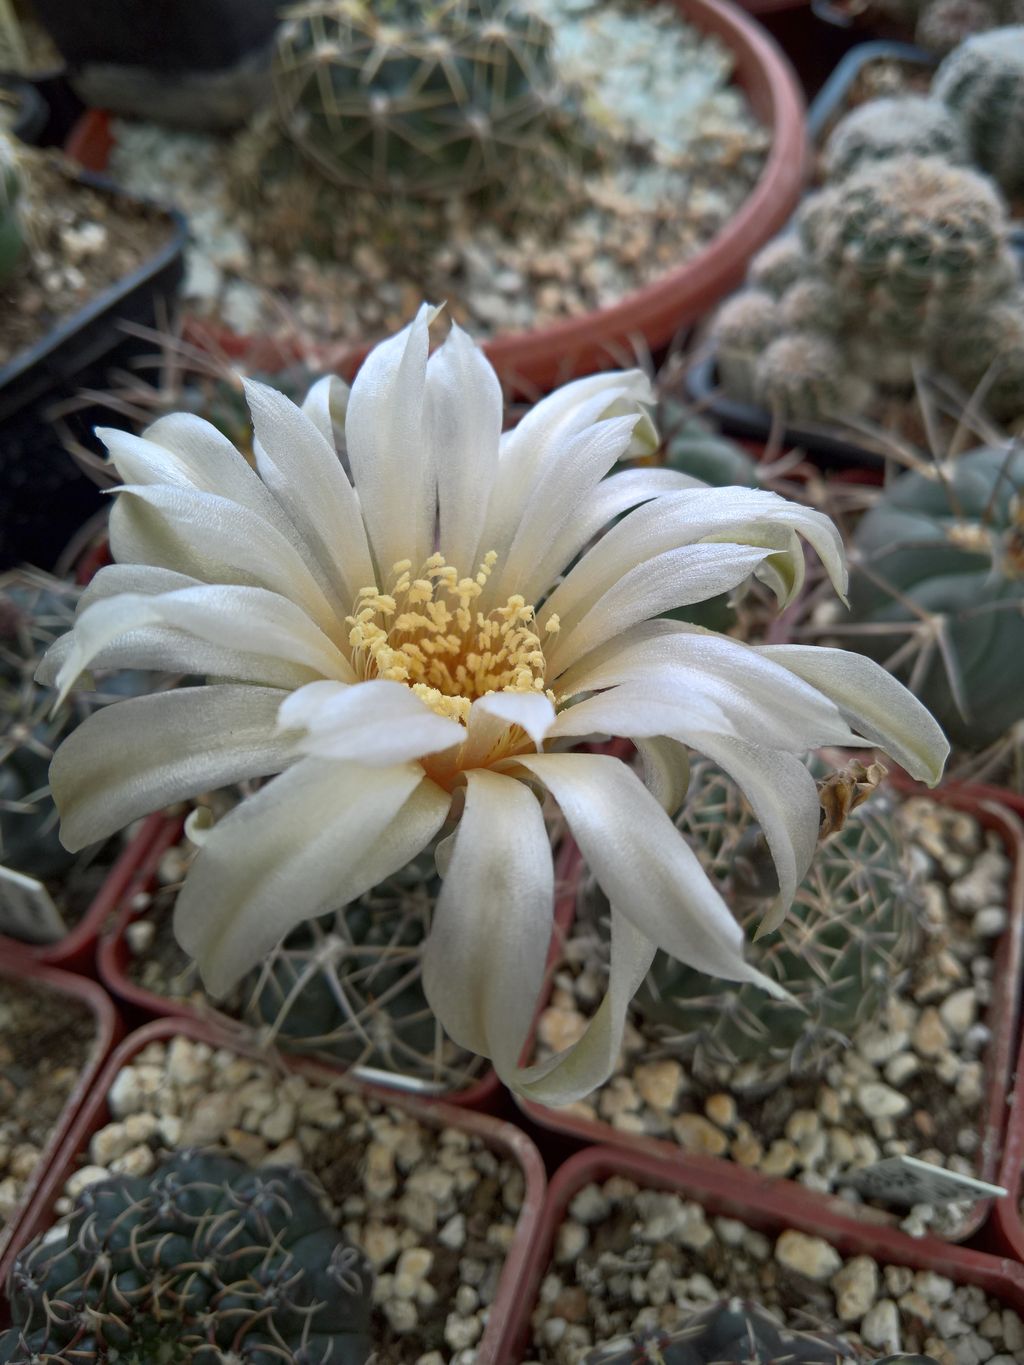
<point x="536" y="361"/>
<point x="108" y="1030"/>
<point x="1002" y="1019"/>
<point x="1008" y="1224"/>
<point x="770" y="1207"/>
<point x="509" y="1141"/>
<point x="485" y="1094"/>
<point x="76" y="950"/>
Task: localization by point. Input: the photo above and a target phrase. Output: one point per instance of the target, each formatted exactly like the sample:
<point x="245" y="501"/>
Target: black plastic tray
<point x="829" y="99"/>
<point x="44" y="496"/>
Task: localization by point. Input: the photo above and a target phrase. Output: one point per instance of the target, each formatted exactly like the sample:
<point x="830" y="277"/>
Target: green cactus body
<point x="850" y="933"/>
<point x="911" y="230"/>
<point x="744" y="325"/>
<point x="778" y="265"/>
<point x="903" y="125"/>
<point x="982" y="83"/>
<point x="988" y="348"/>
<point x="804" y="376"/>
<point x="12" y="242"/>
<point x="733" y="1332"/>
<point x="811" y="305"/>
<point x="419" y="97"/>
<point x="944" y="24"/>
<point x="202" y="1261"/>
<point x="950" y="549"/>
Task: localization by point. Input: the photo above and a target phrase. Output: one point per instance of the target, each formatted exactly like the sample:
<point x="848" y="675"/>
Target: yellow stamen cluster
<point x="427" y="633"/>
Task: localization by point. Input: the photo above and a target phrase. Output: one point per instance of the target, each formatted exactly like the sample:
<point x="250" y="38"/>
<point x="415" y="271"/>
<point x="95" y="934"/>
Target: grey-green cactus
<point x="421" y="99"/>
<point x="804" y="377"/>
<point x="204" y="1261"/>
<point x="733" y="1332"/>
<point x="778" y="265"/>
<point x="982" y="83"/>
<point x="743" y="326"/>
<point x="902" y="125"/>
<point x="943" y="24"/>
<point x="850" y="934"/>
<point x="12" y="240"/>
<point x="941" y="559"/>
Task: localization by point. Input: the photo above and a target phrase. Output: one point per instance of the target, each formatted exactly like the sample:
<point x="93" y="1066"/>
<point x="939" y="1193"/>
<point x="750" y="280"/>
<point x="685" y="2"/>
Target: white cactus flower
<point x="411" y="649"/>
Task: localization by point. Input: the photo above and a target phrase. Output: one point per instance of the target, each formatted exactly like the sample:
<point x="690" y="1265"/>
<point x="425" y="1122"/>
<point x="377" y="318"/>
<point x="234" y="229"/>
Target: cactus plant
<point x="778" y="265"/>
<point x="982" y="83"/>
<point x="423" y="99"/>
<point x="12" y="240"/>
<point x="732" y="1332"/>
<point x="903" y="125"/>
<point x="941" y="556"/>
<point x="851" y="932"/>
<point x="202" y="1261"/>
<point x="943" y="24"/>
<point x="803" y="376"/>
<point x="743" y="326"/>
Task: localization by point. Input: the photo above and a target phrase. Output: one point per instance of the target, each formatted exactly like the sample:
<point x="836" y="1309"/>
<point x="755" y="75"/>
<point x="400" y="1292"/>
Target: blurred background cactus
<point x="12" y="241"/>
<point x="733" y="1332"/>
<point x="940" y="25"/>
<point x="848" y="939"/>
<point x="904" y="125"/>
<point x="204" y="1259"/>
<point x="982" y="84"/>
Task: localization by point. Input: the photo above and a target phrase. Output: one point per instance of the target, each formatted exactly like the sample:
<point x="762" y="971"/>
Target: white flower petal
<point x="556" y="495"/>
<point x="640" y="711"/>
<point x="541" y="436"/>
<point x="246" y="620"/>
<point x="532" y="711"/>
<point x="114" y="579"/>
<point x="617" y="494"/>
<point x="392" y="466"/>
<point x="301" y="467"/>
<point x="463" y="409"/>
<point x="881" y="708"/>
<point x="589" y="1062"/>
<point x="215" y="541"/>
<point x="315" y="838"/>
<point x="483" y="965"/>
<point x="377" y="723"/>
<point x="325" y="405"/>
<point x="665" y="769"/>
<point x="744" y="516"/>
<point x="677" y="578"/>
<point x="136" y="756"/>
<point x="643" y="864"/>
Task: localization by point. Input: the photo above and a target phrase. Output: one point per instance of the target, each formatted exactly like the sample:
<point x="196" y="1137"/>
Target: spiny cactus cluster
<point x="940" y="559"/>
<point x="202" y="1262"/>
<point x="982" y="84"/>
<point x="903" y="125"/>
<point x="418" y="97"/>
<point x="12" y="241"/>
<point x="841" y="951"/>
<point x="941" y="25"/>
<point x="888" y="265"/>
<point x="733" y="1332"/>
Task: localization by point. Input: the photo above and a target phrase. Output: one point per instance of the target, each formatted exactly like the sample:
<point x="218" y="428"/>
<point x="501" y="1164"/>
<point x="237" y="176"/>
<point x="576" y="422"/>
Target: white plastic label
<point x="907" y="1180"/>
<point x="27" y="910"/>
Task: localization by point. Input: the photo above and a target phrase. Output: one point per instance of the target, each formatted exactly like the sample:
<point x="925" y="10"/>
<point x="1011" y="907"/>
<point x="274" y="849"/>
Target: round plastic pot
<point x="1008" y="1224"/>
<point x="485" y="1094"/>
<point x="761" y="1204"/>
<point x="831" y="100"/>
<point x="1002" y="1019"/>
<point x="14" y="967"/>
<point x="536" y="361"/>
<point x="76" y="951"/>
<point x="501" y="1137"/>
<point x="44" y="496"/>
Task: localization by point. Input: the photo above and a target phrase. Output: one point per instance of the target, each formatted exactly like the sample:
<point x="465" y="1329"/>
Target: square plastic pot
<point x="76" y="951"/>
<point x="108" y="1030"/>
<point x="501" y="1137"/>
<point x="830" y="101"/>
<point x="485" y="1094"/>
<point x="1001" y="1017"/>
<point x="761" y="1204"/>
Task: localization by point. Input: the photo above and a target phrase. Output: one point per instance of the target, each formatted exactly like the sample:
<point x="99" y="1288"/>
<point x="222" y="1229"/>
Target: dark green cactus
<point x="419" y="98"/>
<point x="884" y="128"/>
<point x="944" y="556"/>
<point x="850" y="934"/>
<point x="982" y="83"/>
<point x="203" y="1261"/>
<point x="805" y="377"/>
<point x="733" y="1332"/>
<point x="12" y="241"/>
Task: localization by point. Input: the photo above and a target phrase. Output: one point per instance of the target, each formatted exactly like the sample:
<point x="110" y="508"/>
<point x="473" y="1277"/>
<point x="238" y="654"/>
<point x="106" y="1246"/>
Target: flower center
<point x="426" y="632"/>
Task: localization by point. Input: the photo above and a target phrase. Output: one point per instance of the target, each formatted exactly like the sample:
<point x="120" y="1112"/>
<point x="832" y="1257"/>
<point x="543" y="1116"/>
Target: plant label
<point x="27" y="910"/>
<point x="907" y="1180"/>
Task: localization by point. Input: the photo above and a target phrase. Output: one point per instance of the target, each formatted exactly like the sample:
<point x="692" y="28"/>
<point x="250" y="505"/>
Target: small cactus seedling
<point x="733" y="1332"/>
<point x="937" y="590"/>
<point x="884" y="128"/>
<point x="849" y="936"/>
<point x="419" y="98"/>
<point x="203" y="1261"/>
<point x="982" y="83"/>
<point x="778" y="265"/>
<point x="804" y="376"/>
<point x="743" y="327"/>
